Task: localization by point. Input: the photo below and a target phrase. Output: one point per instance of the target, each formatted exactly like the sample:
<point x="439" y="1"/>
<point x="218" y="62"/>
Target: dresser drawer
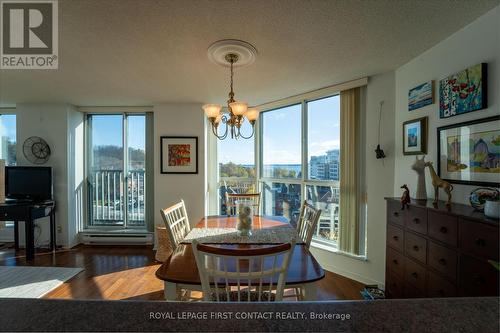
<point x="395" y="262"/>
<point x="415" y="274"/>
<point x="416" y="219"/>
<point x="443" y="260"/>
<point x="393" y="286"/>
<point x="395" y="238"/>
<point x="411" y="291"/>
<point x="416" y="247"/>
<point x="439" y="287"/>
<point x="13" y="213"/>
<point x="394" y="213"/>
<point x="479" y="239"/>
<point x="477" y="277"/>
<point x="443" y="227"/>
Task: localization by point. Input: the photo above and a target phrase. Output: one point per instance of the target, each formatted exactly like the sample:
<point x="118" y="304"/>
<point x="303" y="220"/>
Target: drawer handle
<point x="480" y="242"/>
<point x="442" y="262"/>
<point x="395" y="262"/>
<point x="415" y="248"/>
<point x="443" y="230"/>
<point x="414" y="274"/>
<point x="395" y="214"/>
<point x="396" y="238"/>
<point x="416" y="220"/>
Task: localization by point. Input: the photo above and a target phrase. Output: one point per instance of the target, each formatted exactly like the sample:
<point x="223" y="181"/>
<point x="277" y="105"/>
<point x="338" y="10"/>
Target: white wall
<point x="180" y="120"/>
<point x="56" y="124"/>
<point x="478" y="42"/>
<point x="379" y="183"/>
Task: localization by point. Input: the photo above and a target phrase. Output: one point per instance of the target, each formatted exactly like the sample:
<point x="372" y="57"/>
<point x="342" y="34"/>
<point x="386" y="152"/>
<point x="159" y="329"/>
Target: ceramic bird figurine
<point x="405" y="198"/>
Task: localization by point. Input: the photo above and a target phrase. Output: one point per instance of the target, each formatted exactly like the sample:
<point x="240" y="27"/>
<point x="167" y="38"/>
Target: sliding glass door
<point x="116" y="170"/>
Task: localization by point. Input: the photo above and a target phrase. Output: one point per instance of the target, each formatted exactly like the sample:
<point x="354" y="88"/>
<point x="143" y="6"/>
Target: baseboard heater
<point x="120" y="239"/>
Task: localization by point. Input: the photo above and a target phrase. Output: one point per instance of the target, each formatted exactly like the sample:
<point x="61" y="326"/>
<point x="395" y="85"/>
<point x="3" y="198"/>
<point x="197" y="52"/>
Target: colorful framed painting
<point x="469" y="152"/>
<point x="421" y="96"/>
<point x="179" y="154"/>
<point x="415" y="136"/>
<point x="463" y="92"/>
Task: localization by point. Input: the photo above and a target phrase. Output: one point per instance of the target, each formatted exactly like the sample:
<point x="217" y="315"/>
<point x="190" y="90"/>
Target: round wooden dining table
<point x="179" y="271"/>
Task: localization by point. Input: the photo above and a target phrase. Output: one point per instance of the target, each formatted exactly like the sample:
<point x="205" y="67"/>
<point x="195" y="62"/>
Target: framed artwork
<point x="179" y="154"/>
<point x="463" y="92"/>
<point x="415" y="136"/>
<point x="469" y="152"/>
<point x="421" y="96"/>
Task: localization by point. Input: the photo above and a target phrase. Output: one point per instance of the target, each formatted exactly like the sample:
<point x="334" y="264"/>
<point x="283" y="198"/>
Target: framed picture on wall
<point x="463" y="92"/>
<point x="415" y="136"/>
<point x="469" y="152"/>
<point x="179" y="154"/>
<point x="421" y="96"/>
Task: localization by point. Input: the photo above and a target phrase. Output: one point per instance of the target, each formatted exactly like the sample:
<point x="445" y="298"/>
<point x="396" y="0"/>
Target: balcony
<point x="107" y="197"/>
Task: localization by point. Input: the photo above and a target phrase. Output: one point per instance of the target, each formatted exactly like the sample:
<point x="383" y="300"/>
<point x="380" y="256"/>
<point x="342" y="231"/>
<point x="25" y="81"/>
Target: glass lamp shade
<point x="238" y="108"/>
<point x="212" y="110"/>
<point x="252" y="114"/>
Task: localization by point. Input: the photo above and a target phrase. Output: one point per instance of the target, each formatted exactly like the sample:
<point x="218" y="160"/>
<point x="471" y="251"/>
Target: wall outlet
<point x="59" y="229"/>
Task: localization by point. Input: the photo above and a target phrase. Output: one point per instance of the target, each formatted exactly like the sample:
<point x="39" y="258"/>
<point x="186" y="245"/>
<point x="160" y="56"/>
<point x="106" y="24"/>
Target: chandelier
<point x="228" y="53"/>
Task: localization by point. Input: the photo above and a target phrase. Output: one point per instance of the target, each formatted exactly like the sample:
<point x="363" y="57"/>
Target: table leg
<point x="30" y="238"/>
<point x="53" y="230"/>
<point x="309" y="291"/>
<point x="170" y="291"/>
<point x="16" y="235"/>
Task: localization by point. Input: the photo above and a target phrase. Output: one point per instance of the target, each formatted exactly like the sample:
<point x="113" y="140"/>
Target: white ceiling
<point x="143" y="52"/>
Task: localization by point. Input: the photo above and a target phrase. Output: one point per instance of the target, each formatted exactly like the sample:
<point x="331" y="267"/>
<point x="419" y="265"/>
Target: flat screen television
<point x="28" y="183"/>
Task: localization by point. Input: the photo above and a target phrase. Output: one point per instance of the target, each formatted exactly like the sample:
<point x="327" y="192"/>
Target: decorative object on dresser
<point x="440" y="251"/>
<point x="492" y="209"/>
<point x="405" y="198"/>
<point x="478" y="197"/>
<point x="415" y="136"/>
<point x="421" y="96"/>
<point x="437" y="183"/>
<point x="379" y="152"/>
<point x="463" y="92"/>
<point x="469" y="152"/>
<point x="419" y="167"/>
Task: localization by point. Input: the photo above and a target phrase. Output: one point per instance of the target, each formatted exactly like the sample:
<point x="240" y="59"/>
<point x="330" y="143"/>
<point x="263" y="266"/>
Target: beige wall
<point x="478" y="42"/>
<point x="180" y="120"/>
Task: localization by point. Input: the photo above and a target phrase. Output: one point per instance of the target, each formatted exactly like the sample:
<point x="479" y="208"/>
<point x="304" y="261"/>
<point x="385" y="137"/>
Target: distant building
<point x="325" y="167"/>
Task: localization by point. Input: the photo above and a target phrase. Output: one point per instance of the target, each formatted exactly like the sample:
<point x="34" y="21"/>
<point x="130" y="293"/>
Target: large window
<point x="310" y="129"/>
<point x="117" y="175"/>
<point x="8" y="137"/>
<point x="236" y="166"/>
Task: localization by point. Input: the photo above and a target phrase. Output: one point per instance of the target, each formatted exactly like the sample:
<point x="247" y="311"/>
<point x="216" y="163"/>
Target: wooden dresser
<point x="440" y="252"/>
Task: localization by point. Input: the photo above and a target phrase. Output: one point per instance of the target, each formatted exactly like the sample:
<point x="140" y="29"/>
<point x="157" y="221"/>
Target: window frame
<point x="304" y="180"/>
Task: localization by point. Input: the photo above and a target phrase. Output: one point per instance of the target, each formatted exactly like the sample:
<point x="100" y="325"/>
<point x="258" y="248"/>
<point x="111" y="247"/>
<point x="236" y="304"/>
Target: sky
<point x="8" y="126"/>
<point x="107" y="130"/>
<point x="282" y="134"/>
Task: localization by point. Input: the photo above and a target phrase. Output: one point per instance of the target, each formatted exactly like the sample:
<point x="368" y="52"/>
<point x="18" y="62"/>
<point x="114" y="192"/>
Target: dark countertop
<point x="454" y="209"/>
<point x="412" y="315"/>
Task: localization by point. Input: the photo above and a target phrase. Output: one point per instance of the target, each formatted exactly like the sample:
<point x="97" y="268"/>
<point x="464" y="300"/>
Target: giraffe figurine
<point x="437" y="183"/>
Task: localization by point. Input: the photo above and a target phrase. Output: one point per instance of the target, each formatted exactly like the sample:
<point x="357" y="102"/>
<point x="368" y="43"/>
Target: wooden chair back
<point x="243" y="275"/>
<point x="306" y="225"/>
<point x="177" y="223"/>
<point x="232" y="198"/>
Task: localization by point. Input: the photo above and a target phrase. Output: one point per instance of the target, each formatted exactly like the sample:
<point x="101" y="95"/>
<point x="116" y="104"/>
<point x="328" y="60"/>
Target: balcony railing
<point x="108" y="198"/>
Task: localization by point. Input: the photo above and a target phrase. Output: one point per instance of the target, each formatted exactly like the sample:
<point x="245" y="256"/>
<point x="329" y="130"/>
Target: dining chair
<point x="177" y="223"/>
<point x="243" y="275"/>
<point x="232" y="198"/>
<point x="307" y="221"/>
<point x="306" y="225"/>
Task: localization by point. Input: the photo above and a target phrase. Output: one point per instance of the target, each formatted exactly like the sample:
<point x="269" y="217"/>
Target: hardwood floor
<point x="128" y="272"/>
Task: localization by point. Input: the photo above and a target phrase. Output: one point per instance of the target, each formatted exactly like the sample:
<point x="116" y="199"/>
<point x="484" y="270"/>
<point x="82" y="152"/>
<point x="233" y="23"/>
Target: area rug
<point x="32" y="282"/>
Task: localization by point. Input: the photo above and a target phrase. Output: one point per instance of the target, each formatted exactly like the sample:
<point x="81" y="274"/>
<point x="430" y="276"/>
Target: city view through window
<point x="8" y="137"/>
<point x="282" y="186"/>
